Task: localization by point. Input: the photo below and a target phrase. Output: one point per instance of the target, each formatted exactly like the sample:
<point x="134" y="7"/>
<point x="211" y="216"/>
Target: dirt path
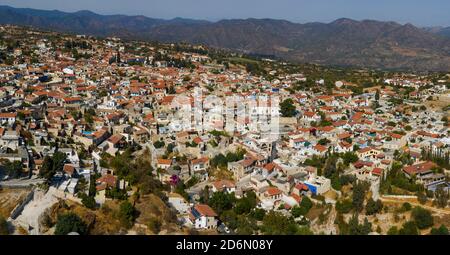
<point x="415" y="203"/>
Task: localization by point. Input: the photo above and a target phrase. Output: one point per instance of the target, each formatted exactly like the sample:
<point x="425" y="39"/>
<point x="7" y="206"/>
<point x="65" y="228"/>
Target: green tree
<point x="88" y="201"/>
<point x="275" y="223"/>
<point x="303" y="208"/>
<point x="349" y="157"/>
<point x="245" y="225"/>
<point x="287" y="108"/>
<point x="204" y="195"/>
<point x="81" y="185"/>
<point x="305" y="205"/>
<point x="355" y="228"/>
<point x="13" y="169"/>
<point x="330" y="169"/>
<point x="335" y="183"/>
<point x="442" y="230"/>
<point x="246" y="204"/>
<point x="46" y="170"/>
<point x="70" y="222"/>
<point x="359" y="194"/>
<point x="344" y="206"/>
<point x="122" y="164"/>
<point x="323" y="141"/>
<point x="296" y="211"/>
<point x="304" y="230"/>
<point x="422" y="217"/>
<point x="171" y="146"/>
<point x="442" y="197"/>
<point x="406" y="207"/>
<point x="408" y="228"/>
<point x="92" y="186"/>
<point x="221" y="201"/>
<point x="392" y="231"/>
<point x="230" y="218"/>
<point x="346" y="179"/>
<point x="52" y="165"/>
<point x="219" y="161"/>
<point x="3" y="226"/>
<point x="127" y="214"/>
<point x="373" y="207"/>
<point x="158" y="144"/>
<point x="258" y="214"/>
<point x="366" y="226"/>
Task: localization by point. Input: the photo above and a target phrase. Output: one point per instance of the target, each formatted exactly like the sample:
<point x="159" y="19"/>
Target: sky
<point x="417" y="12"/>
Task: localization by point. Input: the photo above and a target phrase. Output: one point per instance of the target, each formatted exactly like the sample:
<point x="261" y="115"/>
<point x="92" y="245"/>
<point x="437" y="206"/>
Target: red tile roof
<point x="115" y="138"/>
<point x="8" y="115"/>
<point x="377" y="171"/>
<point x="205" y="210"/>
<point x="273" y="191"/>
<point x="301" y="186"/>
<point x="162" y="161"/>
<point x="109" y="179"/>
<point x="344" y="135"/>
<point x="419" y="168"/>
<point x="320" y="148"/>
<point x="224" y="184"/>
<point x="199" y="160"/>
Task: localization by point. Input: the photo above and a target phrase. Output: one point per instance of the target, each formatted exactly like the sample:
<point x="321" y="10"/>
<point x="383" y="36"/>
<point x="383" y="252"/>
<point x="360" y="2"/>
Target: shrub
<point x="373" y="207"/>
<point x="154" y="225"/>
<point x="70" y="222"/>
<point x="406" y="207"/>
<point x="304" y="207"/>
<point x="421" y="197"/>
<point x="393" y="231"/>
<point x="422" y="217"/>
<point x="88" y="201"/>
<point x="344" y="206"/>
<point x="442" y="230"/>
<point x="127" y="214"/>
<point x="409" y="228"/>
<point x="158" y="144"/>
<point x="3" y="226"/>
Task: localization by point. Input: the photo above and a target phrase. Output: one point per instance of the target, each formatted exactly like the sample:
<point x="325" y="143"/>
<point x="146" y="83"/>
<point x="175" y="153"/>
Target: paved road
<point x="21" y="183"/>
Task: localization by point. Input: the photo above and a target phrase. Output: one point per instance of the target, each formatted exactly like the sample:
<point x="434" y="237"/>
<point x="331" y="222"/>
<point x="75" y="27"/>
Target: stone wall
<point x="19" y="208"/>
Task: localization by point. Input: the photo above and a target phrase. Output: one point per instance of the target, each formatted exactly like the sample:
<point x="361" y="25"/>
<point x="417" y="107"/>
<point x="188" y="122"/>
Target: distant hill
<point x="344" y="42"/>
<point x="443" y="31"/>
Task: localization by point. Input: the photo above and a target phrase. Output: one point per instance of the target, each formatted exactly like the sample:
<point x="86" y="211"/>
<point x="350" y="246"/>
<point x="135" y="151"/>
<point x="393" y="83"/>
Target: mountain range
<point x="443" y="31"/>
<point x="343" y="42"/>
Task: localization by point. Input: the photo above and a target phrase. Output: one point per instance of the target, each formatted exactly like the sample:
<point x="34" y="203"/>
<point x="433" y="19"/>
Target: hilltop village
<point x="87" y="139"/>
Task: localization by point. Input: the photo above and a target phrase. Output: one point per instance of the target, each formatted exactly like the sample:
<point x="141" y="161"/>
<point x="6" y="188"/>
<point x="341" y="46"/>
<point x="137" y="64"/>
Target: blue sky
<point x="417" y="12"/>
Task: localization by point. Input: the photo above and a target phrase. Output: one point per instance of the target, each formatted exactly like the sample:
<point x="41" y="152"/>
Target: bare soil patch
<point x="9" y="199"/>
